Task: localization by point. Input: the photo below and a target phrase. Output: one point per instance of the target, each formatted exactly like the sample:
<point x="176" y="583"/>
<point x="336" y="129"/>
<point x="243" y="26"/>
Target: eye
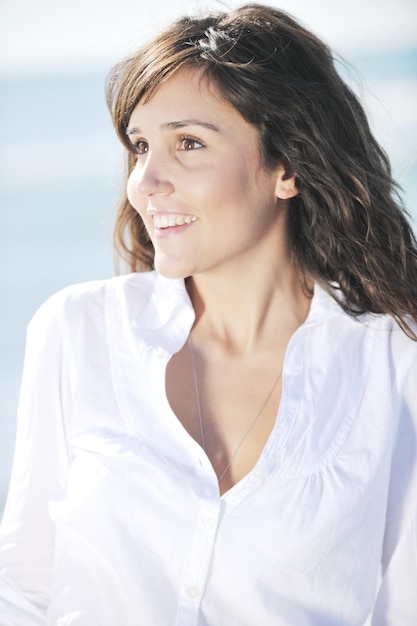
<point x="140" y="147"/>
<point x="189" y="143"/>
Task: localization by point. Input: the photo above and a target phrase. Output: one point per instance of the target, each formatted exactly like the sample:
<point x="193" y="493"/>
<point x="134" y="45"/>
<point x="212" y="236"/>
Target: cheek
<point x="223" y="185"/>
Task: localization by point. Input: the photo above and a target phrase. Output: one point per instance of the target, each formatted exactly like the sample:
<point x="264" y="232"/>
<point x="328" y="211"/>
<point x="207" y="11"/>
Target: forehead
<point x="188" y="94"/>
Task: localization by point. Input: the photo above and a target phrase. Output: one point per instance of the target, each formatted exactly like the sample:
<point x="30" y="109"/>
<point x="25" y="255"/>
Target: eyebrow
<point x="176" y="125"/>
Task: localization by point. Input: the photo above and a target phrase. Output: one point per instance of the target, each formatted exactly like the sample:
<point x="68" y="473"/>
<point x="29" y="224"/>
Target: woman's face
<point x="206" y="200"/>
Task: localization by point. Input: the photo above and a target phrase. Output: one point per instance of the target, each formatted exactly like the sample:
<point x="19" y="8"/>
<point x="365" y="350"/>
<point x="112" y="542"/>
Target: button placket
<point x="193" y="592"/>
<point x="199" y="561"/>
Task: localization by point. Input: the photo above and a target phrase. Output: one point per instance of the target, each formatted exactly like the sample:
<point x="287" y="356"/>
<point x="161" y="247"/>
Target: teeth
<point x="170" y="220"/>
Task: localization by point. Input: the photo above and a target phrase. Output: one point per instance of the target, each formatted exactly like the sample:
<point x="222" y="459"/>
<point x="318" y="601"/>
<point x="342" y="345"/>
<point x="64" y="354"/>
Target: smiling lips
<point x="170" y="220"/>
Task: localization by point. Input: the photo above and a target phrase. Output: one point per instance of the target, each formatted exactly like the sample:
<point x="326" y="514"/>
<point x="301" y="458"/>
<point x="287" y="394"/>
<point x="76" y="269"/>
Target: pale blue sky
<point x="59" y="35"/>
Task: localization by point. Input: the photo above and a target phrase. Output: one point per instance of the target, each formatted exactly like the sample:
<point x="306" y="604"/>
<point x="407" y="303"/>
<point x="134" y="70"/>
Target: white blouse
<point x="114" y="515"/>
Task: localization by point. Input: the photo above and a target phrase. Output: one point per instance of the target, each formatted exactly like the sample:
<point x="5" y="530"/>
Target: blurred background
<point x="61" y="166"/>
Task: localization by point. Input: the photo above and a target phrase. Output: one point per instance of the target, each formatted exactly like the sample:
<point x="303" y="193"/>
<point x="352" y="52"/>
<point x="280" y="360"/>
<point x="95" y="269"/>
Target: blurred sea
<point x="60" y="173"/>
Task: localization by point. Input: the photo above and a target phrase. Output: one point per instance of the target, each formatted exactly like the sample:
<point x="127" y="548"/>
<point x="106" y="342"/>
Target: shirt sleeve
<point x="39" y="470"/>
<point x="396" y="603"/>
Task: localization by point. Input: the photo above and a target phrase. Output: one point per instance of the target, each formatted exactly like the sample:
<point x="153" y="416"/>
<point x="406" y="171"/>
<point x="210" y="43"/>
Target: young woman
<point x="227" y="435"/>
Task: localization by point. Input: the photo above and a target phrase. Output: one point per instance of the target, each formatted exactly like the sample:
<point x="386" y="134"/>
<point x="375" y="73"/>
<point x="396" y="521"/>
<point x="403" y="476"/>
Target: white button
<point x="193" y="592"/>
<point x="209" y="522"/>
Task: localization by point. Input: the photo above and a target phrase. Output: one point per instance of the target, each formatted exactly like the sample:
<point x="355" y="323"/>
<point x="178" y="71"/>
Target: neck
<point x="246" y="308"/>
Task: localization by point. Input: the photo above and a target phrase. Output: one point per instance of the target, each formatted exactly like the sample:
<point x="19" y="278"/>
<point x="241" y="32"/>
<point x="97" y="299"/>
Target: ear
<point x="285" y="185"/>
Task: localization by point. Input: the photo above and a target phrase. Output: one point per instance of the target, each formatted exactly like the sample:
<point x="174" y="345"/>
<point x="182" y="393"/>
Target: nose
<point x="150" y="176"/>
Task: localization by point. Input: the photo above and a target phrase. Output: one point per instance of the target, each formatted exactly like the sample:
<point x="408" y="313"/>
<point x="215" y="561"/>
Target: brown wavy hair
<point x="348" y="229"/>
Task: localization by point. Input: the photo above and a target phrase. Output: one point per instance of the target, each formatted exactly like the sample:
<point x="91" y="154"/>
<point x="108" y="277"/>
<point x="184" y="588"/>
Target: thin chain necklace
<point x="200" y="414"/>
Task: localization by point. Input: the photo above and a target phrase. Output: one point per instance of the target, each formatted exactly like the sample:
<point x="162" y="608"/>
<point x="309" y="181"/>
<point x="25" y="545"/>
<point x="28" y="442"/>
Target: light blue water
<point x="59" y="173"/>
<point x="58" y="183"/>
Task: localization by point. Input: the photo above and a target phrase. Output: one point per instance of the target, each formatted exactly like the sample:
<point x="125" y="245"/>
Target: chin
<point x="171" y="269"/>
